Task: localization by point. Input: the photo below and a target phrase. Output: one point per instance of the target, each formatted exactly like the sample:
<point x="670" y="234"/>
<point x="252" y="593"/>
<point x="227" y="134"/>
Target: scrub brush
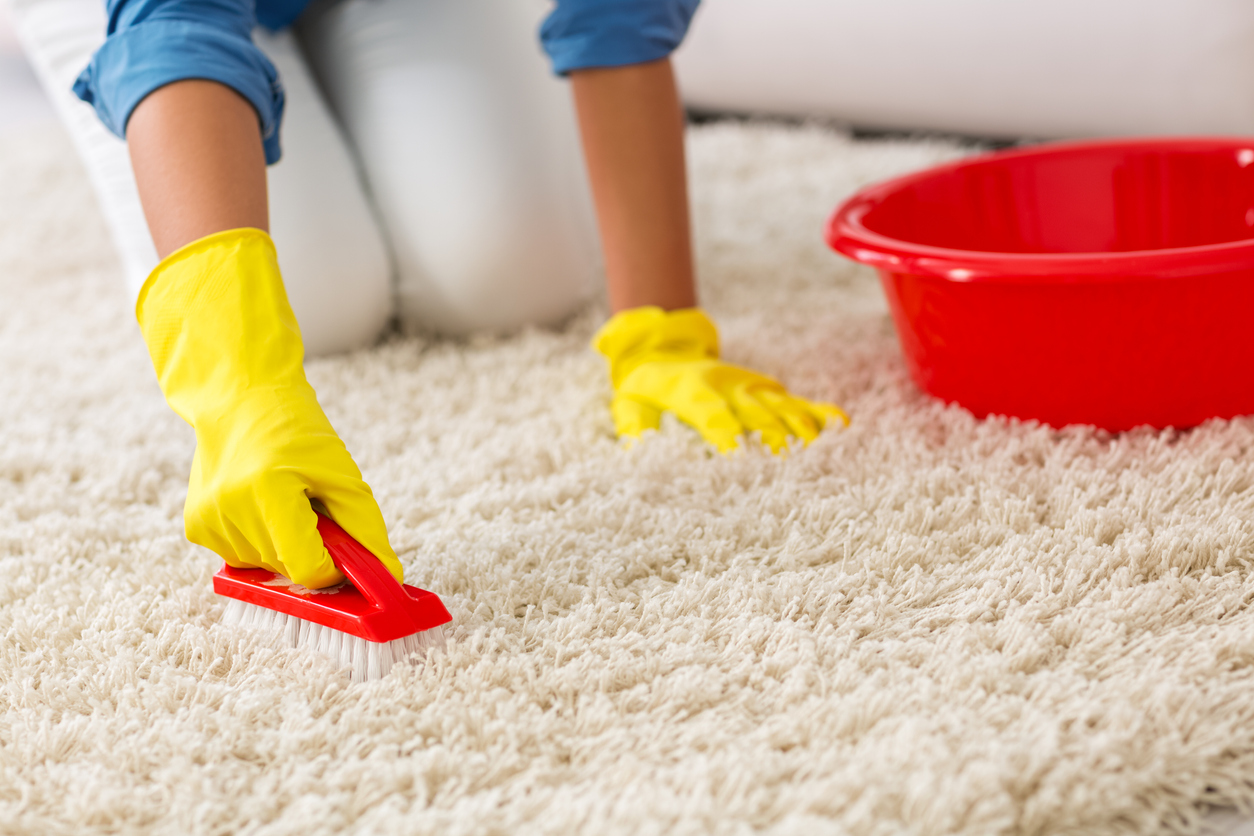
<point x="366" y="624"/>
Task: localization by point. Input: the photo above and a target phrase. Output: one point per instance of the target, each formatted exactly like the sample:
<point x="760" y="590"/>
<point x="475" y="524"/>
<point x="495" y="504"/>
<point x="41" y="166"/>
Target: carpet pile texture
<point x="922" y="624"/>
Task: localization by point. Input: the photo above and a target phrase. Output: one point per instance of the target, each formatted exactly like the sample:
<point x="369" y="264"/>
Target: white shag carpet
<point x="925" y="624"/>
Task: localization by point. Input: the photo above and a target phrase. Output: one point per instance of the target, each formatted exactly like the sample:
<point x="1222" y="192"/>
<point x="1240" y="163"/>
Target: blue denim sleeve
<point x="277" y="14"/>
<point x="152" y="43"/>
<point x="580" y="34"/>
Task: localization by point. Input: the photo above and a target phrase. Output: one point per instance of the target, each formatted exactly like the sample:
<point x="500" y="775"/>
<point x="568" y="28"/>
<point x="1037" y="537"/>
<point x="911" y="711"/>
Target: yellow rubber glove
<point x="228" y="355"/>
<point x="668" y="361"/>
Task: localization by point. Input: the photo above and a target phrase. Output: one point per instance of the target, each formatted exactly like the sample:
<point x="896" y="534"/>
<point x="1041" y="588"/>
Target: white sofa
<point x="1008" y="68"/>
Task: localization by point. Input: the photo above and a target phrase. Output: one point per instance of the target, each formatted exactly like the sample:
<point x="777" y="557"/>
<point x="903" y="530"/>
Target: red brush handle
<point x="375" y="607"/>
<point x="362" y="568"/>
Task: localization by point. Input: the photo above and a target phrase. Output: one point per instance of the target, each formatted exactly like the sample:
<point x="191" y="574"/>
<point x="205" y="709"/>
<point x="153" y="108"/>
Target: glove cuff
<point x="649" y="333"/>
<point x="216" y="320"/>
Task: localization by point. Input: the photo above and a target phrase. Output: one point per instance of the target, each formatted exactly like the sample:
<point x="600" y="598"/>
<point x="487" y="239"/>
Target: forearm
<point x="197" y="153"/>
<point x="632" y="127"/>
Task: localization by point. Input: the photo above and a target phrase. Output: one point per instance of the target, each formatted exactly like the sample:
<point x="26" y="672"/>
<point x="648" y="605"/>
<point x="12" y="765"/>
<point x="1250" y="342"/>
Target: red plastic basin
<point x="1107" y="283"/>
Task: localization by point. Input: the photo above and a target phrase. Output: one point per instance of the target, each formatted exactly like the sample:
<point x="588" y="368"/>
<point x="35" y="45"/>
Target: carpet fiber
<point x="923" y="624"/>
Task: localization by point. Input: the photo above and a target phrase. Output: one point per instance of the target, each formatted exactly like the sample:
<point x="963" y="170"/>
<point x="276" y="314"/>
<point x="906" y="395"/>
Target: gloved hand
<point x="228" y="355"/>
<point x="668" y="361"/>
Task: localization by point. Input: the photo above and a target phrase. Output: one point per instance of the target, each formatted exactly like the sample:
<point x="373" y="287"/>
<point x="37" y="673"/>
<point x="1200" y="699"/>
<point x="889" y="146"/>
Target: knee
<point x="499" y="270"/>
<point x="335" y="264"/>
<point x="337" y="280"/>
<point x="472" y="157"/>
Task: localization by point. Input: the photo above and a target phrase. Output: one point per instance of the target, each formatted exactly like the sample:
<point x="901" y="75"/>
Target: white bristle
<point x="324" y="641"/>
<point x="365" y="660"/>
<point x="374" y="662"/>
<point x="293" y="632"/>
<point x="356" y="658"/>
<point x="233" y="613"/>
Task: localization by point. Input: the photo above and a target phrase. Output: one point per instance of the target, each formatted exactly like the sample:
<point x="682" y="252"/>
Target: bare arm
<point x="633" y="139"/>
<point x="199" y="164"/>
